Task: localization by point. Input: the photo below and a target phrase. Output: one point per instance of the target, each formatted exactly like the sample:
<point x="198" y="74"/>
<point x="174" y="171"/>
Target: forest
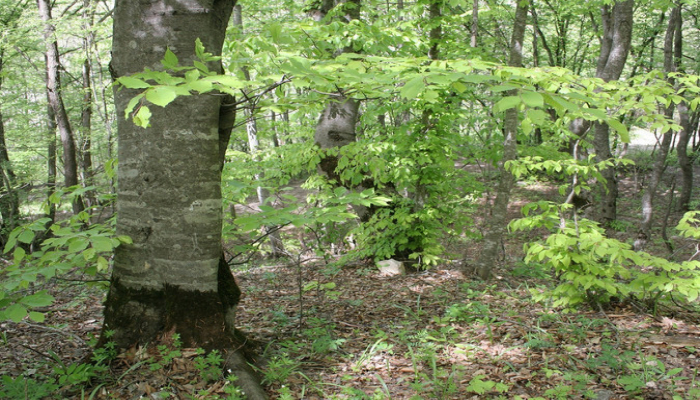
<point x="349" y="199"/>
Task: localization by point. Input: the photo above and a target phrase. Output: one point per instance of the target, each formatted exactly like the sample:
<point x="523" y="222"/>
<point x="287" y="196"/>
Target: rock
<point x="391" y="267"/>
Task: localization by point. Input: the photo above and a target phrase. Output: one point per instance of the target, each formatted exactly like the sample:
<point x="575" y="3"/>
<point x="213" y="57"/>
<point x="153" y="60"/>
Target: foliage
<point x="74" y="244"/>
<point x="594" y="269"/>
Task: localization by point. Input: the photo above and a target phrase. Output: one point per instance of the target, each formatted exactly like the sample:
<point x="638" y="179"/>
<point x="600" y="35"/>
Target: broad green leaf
<point x="77" y="245"/>
<point x="538" y="117"/>
<point x="532" y="99"/>
<point x="19" y="255"/>
<point x="143" y="117"/>
<point x="16" y="312"/>
<point x="621" y="129"/>
<point x="132" y="83"/>
<point x="200" y="86"/>
<point x="506" y="103"/>
<point x="101" y="243"/>
<point x="161" y="95"/>
<point x="413" y="88"/>
<point x="26" y="236"/>
<point x="37" y="316"/>
<point x="170" y="60"/>
<point x="41" y="299"/>
<point x="132" y="104"/>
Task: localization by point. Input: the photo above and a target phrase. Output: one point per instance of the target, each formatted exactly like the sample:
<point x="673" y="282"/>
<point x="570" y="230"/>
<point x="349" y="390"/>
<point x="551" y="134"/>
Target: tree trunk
<point x="660" y="161"/>
<point x="337" y="123"/>
<point x="496" y="225"/>
<point x="53" y="86"/>
<point x="51" y="165"/>
<point x="615" y="46"/>
<point x="173" y="277"/>
<point x="85" y="151"/>
<point x="685" y="163"/>
<point x="9" y="198"/>
<point x="474" y="34"/>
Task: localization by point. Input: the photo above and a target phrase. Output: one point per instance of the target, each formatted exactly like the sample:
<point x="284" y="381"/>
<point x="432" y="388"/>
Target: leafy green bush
<point x="593" y="268"/>
<point x="72" y="244"/>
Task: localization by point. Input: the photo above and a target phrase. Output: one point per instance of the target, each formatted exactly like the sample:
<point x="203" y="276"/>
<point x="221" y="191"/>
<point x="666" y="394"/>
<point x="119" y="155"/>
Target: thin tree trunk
<point x="53" y="86"/>
<point x="660" y="157"/>
<point x="85" y="150"/>
<point x="475" y="25"/>
<point x="9" y="198"/>
<point x="496" y="225"/>
<point x="615" y="46"/>
<point x="685" y="163"/>
<point x="51" y="164"/>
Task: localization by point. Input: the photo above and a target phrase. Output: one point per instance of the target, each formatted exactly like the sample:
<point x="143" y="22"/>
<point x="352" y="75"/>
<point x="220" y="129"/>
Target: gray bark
<point x="475" y="24"/>
<point x="173" y="278"/>
<point x="662" y="151"/>
<point x="495" y="229"/>
<point x="53" y="87"/>
<point x="615" y="46"/>
<point x="684" y="161"/>
<point x="85" y="149"/>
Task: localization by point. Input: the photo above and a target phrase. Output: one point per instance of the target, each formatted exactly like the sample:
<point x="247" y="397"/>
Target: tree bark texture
<point x="494" y="231"/>
<point x="615" y="46"/>
<point x="169" y="195"/>
<point x="173" y="278"/>
<point x="53" y="87"/>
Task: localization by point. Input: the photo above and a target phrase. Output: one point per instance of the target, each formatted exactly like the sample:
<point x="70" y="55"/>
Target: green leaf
<point x="532" y="99"/>
<point x="132" y="83"/>
<point x="143" y="117"/>
<point x="200" y="86"/>
<point x="161" y="95"/>
<point x="37" y="316"/>
<point x="170" y="60"/>
<point x="16" y="312"/>
<point x="27" y="236"/>
<point x="41" y="299"/>
<point x="506" y="103"/>
<point x="77" y="245"/>
<point x="412" y="88"/>
<point x="621" y="129"/>
<point x="101" y="243"/>
<point x="19" y="255"/>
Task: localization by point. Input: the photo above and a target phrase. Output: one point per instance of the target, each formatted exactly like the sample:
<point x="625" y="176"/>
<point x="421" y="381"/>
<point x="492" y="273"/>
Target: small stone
<point x="391" y="267"/>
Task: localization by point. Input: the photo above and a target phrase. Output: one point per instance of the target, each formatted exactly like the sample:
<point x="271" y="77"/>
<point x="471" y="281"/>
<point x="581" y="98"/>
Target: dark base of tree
<point x="138" y="317"/>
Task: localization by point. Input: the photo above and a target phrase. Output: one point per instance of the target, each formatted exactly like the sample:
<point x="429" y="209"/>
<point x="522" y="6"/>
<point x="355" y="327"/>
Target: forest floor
<point x="350" y="332"/>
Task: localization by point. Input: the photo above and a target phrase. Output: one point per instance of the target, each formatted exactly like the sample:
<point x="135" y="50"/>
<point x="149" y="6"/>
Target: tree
<point x="659" y="165"/>
<point x="493" y="235"/>
<point x="173" y="278"/>
<point x="53" y="87"/>
<point x="614" y="47"/>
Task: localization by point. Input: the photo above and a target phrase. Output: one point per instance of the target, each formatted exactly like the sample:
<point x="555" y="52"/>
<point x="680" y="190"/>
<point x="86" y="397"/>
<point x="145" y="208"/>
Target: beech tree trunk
<point x="173" y="278"/>
<point x="615" y="46"/>
<point x="53" y="87"/>
<point x="496" y="225"/>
